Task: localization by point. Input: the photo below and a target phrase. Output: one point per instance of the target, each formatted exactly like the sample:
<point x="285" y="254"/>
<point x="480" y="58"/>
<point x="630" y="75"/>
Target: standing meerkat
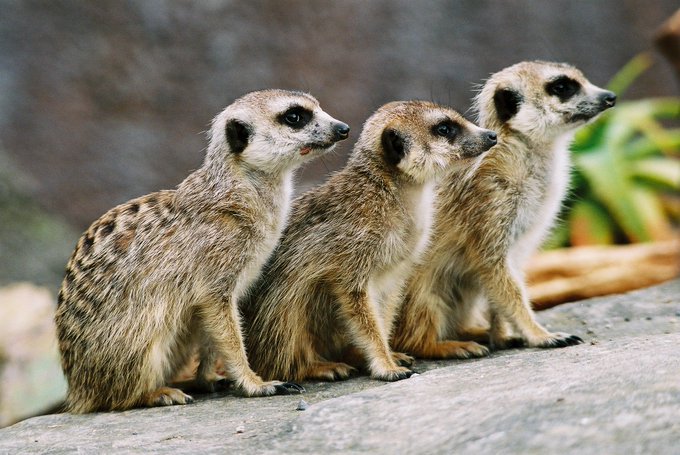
<point x="155" y="277"/>
<point x="488" y="224"/>
<point x="334" y="282"/>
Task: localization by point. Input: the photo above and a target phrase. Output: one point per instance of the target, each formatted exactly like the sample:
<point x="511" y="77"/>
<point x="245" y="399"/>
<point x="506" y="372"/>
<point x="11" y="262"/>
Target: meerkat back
<point x="489" y="223"/>
<point x="159" y="275"/>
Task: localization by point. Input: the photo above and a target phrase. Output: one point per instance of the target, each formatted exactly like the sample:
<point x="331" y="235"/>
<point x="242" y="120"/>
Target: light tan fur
<point x="488" y="223"/>
<point x="161" y="274"/>
<point x="326" y="301"/>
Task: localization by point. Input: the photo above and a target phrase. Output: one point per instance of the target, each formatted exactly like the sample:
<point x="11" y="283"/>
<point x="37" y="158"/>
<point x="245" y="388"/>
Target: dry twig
<point x="576" y="273"/>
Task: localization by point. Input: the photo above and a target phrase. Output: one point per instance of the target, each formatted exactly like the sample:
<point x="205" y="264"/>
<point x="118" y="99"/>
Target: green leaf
<point x="610" y="185"/>
<point x="650" y="210"/>
<point x="643" y="146"/>
<point x="660" y="171"/>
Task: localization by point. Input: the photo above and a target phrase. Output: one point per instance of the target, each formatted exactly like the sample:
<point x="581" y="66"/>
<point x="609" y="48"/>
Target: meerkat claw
<point x="392" y="375"/>
<point x="288" y="388"/>
<point x="405" y="375"/>
<point x="561" y="341"/>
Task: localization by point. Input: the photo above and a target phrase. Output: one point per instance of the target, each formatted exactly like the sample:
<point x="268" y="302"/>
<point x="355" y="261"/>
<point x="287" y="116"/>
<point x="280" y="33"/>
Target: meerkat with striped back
<point x="158" y="276"/>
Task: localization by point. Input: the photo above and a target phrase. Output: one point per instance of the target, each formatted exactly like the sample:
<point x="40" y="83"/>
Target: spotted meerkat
<point x="489" y="223"/>
<point x="326" y="300"/>
<point x="161" y="274"/>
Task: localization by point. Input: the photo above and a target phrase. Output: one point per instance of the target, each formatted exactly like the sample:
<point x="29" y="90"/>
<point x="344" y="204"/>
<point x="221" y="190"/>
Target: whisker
<point x="324" y="164"/>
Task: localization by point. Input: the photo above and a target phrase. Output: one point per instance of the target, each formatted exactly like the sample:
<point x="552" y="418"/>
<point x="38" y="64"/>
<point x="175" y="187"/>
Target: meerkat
<point x="161" y="274"/>
<point x="488" y="223"/>
<point x="325" y="303"/>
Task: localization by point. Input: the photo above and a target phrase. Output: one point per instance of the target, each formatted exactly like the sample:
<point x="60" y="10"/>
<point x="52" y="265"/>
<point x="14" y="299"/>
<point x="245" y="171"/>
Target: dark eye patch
<point x="295" y="117"/>
<point x="447" y="129"/>
<point x="563" y="87"/>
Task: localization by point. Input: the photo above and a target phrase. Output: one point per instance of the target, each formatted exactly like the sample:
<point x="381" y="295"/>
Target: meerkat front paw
<point x="453" y="350"/>
<point x="464" y="349"/>
<point x="401" y="359"/>
<point x="166" y="396"/>
<point x="288" y="388"/>
<point x="555" y="340"/>
<point x="274" y="388"/>
<point x="395" y="374"/>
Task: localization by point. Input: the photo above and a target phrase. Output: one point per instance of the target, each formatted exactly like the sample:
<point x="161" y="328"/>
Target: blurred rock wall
<point x="30" y="374"/>
<point x="103" y="101"/>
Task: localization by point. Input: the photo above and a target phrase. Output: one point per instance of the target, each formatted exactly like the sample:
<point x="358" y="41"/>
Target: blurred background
<point x="108" y="100"/>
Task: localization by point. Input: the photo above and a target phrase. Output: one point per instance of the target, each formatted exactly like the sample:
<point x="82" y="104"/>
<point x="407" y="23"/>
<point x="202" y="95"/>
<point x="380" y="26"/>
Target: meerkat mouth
<point x="582" y="117"/>
<point x="315" y="146"/>
<point x="586" y="114"/>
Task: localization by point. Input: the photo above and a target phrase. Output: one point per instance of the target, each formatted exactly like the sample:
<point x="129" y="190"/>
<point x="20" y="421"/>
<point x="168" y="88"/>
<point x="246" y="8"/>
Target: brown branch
<point x="576" y="273"/>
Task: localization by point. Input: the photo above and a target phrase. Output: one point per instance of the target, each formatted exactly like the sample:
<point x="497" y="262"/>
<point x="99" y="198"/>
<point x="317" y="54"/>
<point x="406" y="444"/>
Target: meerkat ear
<point x="507" y="103"/>
<point x="393" y="145"/>
<point x="238" y="134"/>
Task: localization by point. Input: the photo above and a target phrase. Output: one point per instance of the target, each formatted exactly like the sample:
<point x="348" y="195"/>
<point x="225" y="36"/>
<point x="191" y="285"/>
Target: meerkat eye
<point x="563" y="87"/>
<point x="446" y="129"/>
<point x="296" y="117"/>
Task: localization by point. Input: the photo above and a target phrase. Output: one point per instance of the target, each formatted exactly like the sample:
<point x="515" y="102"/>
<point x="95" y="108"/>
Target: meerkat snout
<point x="608" y="99"/>
<point x="475" y="145"/>
<point x="341" y="131"/>
<point x="580" y="100"/>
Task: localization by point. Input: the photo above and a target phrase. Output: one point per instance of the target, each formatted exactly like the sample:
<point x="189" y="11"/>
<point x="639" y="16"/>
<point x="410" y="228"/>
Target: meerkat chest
<point x="389" y="282"/>
<point x="273" y="222"/>
<point x="544" y="190"/>
<point x="405" y="246"/>
<point x="420" y="206"/>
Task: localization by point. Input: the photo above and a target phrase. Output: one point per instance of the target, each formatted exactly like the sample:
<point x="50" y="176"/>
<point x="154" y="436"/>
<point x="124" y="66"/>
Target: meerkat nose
<point x="490" y="138"/>
<point x="341" y="131"/>
<point x="608" y="99"/>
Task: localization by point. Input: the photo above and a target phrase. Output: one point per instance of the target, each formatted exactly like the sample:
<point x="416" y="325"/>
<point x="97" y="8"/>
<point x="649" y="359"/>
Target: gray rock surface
<point x="617" y="393"/>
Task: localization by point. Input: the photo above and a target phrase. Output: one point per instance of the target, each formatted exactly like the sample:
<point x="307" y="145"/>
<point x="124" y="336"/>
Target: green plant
<point x="626" y="170"/>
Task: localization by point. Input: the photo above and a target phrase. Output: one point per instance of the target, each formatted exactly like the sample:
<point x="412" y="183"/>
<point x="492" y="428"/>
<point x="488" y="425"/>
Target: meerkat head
<point x="274" y="130"/>
<point x="421" y="140"/>
<point x="540" y="100"/>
